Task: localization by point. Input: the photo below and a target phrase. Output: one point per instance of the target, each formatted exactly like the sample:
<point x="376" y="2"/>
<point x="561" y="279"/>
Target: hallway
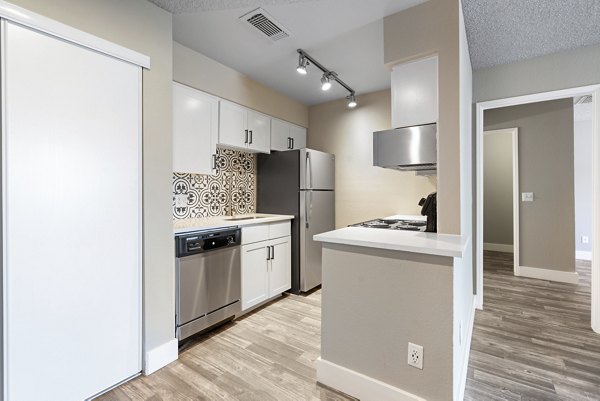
<point x="533" y="339"/>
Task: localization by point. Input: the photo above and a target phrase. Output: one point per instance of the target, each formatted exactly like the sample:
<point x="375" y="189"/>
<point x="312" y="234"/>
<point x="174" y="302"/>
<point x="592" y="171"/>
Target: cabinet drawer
<point x="251" y="234"/>
<point x="277" y="230"/>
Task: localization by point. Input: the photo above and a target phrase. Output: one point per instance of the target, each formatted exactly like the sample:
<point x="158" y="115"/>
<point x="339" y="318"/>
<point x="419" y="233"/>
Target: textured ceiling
<point x="505" y="31"/>
<point x="190" y="6"/>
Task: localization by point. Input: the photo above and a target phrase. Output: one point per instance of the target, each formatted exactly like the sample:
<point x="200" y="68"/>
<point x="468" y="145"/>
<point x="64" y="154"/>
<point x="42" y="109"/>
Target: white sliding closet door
<point x="71" y="209"/>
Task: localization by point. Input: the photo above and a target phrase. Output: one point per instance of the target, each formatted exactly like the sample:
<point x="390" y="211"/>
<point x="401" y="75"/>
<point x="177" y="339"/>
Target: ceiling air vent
<point x="583" y="99"/>
<point x="266" y="24"/>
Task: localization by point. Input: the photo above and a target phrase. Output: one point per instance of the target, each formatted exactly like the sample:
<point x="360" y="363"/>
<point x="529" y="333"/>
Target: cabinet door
<point x="298" y="135"/>
<point x="280" y="275"/>
<point x="255" y="279"/>
<point x="233" y="125"/>
<point x="280" y="135"/>
<point x="259" y="127"/>
<point x="195" y="130"/>
<point x="415" y="93"/>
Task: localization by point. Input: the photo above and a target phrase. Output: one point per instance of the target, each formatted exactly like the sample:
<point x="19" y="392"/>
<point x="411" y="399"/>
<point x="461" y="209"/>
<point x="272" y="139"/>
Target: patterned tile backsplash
<point x="211" y="195"/>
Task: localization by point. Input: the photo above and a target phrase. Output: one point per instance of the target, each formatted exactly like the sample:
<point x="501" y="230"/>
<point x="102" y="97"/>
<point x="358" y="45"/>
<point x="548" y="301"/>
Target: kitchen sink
<point x="244" y="218"/>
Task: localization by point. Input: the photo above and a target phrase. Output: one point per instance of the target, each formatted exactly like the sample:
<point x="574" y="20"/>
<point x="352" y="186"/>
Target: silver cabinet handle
<point x="246" y="138"/>
<point x="251" y="136"/>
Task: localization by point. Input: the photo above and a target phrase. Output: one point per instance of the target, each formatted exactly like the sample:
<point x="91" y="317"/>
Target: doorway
<point x="521" y="100"/>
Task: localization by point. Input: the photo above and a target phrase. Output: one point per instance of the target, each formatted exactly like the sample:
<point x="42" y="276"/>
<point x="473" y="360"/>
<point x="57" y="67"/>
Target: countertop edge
<point x="240" y="223"/>
<point x="449" y="250"/>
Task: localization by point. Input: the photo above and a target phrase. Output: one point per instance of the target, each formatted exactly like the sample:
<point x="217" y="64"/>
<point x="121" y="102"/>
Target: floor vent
<point x="266" y="24"/>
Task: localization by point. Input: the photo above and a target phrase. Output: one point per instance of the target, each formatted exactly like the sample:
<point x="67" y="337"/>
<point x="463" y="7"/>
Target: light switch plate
<point x="527" y="197"/>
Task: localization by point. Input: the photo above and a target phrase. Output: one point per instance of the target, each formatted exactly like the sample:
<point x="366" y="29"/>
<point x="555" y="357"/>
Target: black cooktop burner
<point x="394" y="224"/>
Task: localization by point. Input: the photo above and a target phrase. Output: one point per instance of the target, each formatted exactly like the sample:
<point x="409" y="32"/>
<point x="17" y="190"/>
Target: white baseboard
<point x="356" y="384"/>
<point x="465" y="367"/>
<point x="583" y="255"/>
<point x="161" y="356"/>
<point x="488" y="246"/>
<point x="547" y="274"/>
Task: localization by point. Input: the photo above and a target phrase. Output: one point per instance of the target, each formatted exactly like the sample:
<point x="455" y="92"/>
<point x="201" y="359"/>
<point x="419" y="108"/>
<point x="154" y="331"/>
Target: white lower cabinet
<point x="266" y="262"/>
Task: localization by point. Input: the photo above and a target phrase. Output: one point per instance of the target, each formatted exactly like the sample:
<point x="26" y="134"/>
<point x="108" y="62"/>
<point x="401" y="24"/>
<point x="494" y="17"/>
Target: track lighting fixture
<point x="328" y="76"/>
<point x="351" y="101"/>
<point x="325" y="82"/>
<point x="302" y="63"/>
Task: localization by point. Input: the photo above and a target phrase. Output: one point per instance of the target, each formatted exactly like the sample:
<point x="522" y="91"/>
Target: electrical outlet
<point x="415" y="355"/>
<point x="585" y="239"/>
<point x="527" y="197"/>
<point x="180" y="200"/>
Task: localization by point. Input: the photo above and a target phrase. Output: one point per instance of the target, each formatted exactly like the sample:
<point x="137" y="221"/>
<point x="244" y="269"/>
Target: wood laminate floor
<point x="532" y="340"/>
<point x="267" y="355"/>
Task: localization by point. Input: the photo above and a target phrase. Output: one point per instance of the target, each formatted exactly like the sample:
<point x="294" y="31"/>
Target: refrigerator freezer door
<point x="317" y="215"/>
<point x="317" y="170"/>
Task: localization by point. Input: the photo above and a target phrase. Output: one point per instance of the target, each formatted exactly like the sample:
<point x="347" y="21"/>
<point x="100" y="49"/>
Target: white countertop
<point x="398" y="240"/>
<point x="205" y="223"/>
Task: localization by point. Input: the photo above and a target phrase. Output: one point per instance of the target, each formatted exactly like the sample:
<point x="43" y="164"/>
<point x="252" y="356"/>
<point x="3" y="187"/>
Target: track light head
<point x="325" y="82"/>
<point x="351" y="101"/>
<point x="302" y="63"/>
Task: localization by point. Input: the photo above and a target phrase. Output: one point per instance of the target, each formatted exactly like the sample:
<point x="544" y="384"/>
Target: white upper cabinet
<point x="298" y="135"/>
<point x="195" y="130"/>
<point x="259" y="132"/>
<point x="286" y="136"/>
<point x="244" y="129"/>
<point x="415" y="93"/>
<point x="233" y="130"/>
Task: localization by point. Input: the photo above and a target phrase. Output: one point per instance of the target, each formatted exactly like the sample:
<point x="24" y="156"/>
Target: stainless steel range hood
<point x="406" y="149"/>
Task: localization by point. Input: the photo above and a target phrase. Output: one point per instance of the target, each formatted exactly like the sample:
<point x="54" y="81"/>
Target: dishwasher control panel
<point x="204" y="241"/>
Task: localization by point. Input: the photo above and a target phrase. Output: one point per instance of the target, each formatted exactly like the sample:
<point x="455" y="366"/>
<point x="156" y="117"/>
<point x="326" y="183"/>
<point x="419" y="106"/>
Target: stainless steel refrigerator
<point x="300" y="183"/>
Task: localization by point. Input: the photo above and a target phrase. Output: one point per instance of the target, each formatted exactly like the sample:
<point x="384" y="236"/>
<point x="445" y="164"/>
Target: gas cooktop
<point x="394" y="224"/>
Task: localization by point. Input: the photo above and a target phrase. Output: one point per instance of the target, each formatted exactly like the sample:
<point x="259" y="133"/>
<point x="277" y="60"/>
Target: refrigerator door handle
<point x="308" y="171"/>
<point x="306" y="208"/>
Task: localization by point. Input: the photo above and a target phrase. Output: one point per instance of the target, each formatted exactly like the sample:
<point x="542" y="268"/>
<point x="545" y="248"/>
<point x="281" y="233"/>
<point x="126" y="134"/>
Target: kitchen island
<point x="383" y="289"/>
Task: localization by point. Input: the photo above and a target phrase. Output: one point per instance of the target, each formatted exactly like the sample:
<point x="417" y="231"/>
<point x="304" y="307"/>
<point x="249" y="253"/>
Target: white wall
<point x="583" y="177"/>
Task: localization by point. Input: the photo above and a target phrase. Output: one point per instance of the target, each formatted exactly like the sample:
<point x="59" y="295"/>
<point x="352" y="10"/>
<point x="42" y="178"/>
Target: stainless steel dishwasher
<point x="208" y="279"/>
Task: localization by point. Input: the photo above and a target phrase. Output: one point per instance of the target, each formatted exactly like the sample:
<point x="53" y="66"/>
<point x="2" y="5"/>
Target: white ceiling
<point x="502" y="32"/>
<point x="345" y="36"/>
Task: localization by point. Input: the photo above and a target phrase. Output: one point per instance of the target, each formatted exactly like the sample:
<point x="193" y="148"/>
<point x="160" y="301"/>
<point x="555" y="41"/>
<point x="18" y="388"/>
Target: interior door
<point x="317" y="215"/>
<point x="72" y="207"/>
<point x="259" y="127"/>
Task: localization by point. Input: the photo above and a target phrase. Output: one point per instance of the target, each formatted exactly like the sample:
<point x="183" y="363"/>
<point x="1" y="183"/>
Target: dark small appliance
<point x="429" y="209"/>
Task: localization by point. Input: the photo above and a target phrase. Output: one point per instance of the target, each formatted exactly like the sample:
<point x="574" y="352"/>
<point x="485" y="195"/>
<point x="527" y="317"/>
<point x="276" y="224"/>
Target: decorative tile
<point x="233" y="185"/>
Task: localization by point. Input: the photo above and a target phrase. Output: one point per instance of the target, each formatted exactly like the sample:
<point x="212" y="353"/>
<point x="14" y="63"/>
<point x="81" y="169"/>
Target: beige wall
<point x="141" y="26"/>
<point x="569" y="69"/>
<point x="203" y="73"/>
<point x="546" y="165"/>
<point x="363" y="191"/>
<point x="498" y="189"/>
<point x="433" y="27"/>
<point x="375" y="301"/>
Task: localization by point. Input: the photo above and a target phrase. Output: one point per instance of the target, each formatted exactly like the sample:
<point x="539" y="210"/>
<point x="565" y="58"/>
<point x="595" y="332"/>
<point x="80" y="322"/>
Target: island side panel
<point x="374" y="302"/>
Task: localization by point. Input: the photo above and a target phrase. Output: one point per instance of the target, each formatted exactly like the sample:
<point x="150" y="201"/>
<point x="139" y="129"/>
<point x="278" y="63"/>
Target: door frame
<point x="534" y="98"/>
<point x="514" y="135"/>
